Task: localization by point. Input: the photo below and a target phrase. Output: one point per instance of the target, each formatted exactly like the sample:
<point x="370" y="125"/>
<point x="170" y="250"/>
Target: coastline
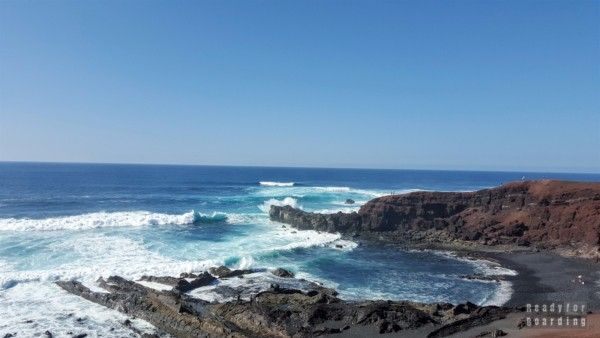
<point x="541" y="276"/>
<point x="544" y="278"/>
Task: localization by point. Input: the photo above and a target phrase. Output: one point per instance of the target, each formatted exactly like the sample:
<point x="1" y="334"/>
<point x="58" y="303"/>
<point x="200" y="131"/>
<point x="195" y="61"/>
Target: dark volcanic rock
<point x="547" y="214"/>
<point x="167" y="280"/>
<point x="280" y="272"/>
<point x="350" y="201"/>
<point x="181" y="284"/>
<point x="225" y="272"/>
<point x="280" y="312"/>
<point x="201" y="280"/>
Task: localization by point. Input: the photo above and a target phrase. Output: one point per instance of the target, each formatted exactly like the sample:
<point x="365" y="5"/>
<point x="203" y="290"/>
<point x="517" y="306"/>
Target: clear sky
<point x="492" y="85"/>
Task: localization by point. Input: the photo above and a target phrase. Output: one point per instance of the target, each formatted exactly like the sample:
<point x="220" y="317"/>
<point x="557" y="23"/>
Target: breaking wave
<point x="108" y="219"/>
<point x="276" y="184"/>
<point x="292" y="202"/>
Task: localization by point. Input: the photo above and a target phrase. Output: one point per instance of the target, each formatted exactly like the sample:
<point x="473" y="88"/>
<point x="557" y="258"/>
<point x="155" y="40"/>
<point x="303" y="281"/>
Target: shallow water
<point x="75" y="221"/>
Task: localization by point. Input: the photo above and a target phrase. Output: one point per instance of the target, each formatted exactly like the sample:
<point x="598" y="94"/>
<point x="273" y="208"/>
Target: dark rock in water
<point x="167" y="280"/>
<point x="350" y="201"/>
<point x="279" y="312"/>
<point x="188" y="275"/>
<point x="220" y="271"/>
<point x="468" y="307"/>
<point x="482" y="277"/>
<point x="81" y="335"/>
<point x="10" y="335"/>
<point x="181" y="284"/>
<point x="201" y="280"/>
<point x="225" y="272"/>
<point x="48" y="334"/>
<point x="544" y="214"/>
<point x="280" y="272"/>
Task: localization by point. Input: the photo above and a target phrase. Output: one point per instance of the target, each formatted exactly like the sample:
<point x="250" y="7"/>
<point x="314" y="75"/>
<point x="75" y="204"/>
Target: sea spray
<point x="108" y="219"/>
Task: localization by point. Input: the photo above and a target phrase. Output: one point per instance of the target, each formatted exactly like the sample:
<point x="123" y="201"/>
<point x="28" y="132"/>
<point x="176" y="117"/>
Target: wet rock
<point x="48" y="334"/>
<point x="201" y="280"/>
<point x="349" y="201"/>
<point x="280" y="272"/>
<point x="188" y="275"/>
<point x="279" y="311"/>
<point x="225" y="272"/>
<point x="482" y="277"/>
<point x="466" y="308"/>
<point x="167" y="280"/>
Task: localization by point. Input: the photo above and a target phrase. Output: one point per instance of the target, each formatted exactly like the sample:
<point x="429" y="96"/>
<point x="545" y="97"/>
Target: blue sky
<point x="492" y="85"/>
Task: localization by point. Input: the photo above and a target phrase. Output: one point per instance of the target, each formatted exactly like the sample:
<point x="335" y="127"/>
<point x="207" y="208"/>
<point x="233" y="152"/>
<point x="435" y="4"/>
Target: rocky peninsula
<point x="543" y="215"/>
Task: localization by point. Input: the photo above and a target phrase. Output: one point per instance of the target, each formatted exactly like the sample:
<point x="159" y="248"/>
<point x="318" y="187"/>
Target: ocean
<point x="83" y="221"/>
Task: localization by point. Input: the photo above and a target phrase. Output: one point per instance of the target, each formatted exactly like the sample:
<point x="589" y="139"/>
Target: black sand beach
<point x="542" y="278"/>
<point x="547" y="278"/>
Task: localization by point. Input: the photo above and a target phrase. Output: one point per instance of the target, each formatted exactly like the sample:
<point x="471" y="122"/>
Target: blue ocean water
<point x="83" y="221"/>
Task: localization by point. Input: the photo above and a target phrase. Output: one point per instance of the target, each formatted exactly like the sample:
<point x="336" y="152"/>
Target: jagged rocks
<point x="225" y="272"/>
<point x="182" y="284"/>
<point x="279" y="311"/>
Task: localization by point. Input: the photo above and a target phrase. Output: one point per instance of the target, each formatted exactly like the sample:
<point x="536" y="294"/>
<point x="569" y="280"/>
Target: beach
<point x="545" y="278"/>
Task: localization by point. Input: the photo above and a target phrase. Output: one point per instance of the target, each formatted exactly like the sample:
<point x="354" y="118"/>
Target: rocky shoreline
<point x="562" y="217"/>
<point x="276" y="311"/>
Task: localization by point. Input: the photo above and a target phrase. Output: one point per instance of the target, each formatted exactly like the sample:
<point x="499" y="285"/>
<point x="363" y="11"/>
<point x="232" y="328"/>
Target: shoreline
<point x="541" y="276"/>
<point x="544" y="277"/>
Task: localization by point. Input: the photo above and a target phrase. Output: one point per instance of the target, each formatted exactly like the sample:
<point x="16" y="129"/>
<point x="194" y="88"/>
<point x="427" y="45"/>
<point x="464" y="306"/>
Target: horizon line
<point x="297" y="167"/>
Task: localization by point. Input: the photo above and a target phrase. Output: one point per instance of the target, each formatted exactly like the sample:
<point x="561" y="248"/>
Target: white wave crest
<point x="107" y="219"/>
<point x="292" y="202"/>
<point x="276" y="184"/>
<point x="301" y="191"/>
<point x="245" y="262"/>
<point x="100" y="255"/>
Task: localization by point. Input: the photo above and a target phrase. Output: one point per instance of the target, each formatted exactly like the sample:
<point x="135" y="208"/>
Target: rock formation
<point x="545" y="214"/>
<point x="280" y="312"/>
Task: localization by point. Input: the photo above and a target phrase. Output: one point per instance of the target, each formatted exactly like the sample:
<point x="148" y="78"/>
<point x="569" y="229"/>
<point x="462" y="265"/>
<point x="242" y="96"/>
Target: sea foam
<point x="276" y="184"/>
<point x="107" y="219"/>
<point x="292" y="202"/>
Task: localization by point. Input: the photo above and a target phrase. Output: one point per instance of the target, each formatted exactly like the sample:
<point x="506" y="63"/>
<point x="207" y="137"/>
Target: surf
<point x="108" y="219"/>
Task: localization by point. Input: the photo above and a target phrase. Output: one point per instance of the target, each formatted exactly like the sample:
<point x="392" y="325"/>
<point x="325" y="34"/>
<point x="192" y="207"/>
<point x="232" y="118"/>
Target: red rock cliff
<point x="547" y="214"/>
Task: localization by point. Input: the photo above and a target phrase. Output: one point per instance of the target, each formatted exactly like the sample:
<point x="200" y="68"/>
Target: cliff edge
<point x="546" y="214"/>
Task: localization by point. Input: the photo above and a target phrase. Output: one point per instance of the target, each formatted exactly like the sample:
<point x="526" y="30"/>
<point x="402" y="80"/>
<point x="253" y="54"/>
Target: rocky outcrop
<point x="546" y="214"/>
<point x="283" y="273"/>
<point x="281" y="312"/>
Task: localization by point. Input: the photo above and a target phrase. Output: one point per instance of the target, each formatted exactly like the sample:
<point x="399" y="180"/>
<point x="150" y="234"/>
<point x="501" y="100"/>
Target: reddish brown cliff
<point x="546" y="214"/>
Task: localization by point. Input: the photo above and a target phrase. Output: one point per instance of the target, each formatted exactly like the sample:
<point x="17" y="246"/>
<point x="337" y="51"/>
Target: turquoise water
<point x="75" y="221"/>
